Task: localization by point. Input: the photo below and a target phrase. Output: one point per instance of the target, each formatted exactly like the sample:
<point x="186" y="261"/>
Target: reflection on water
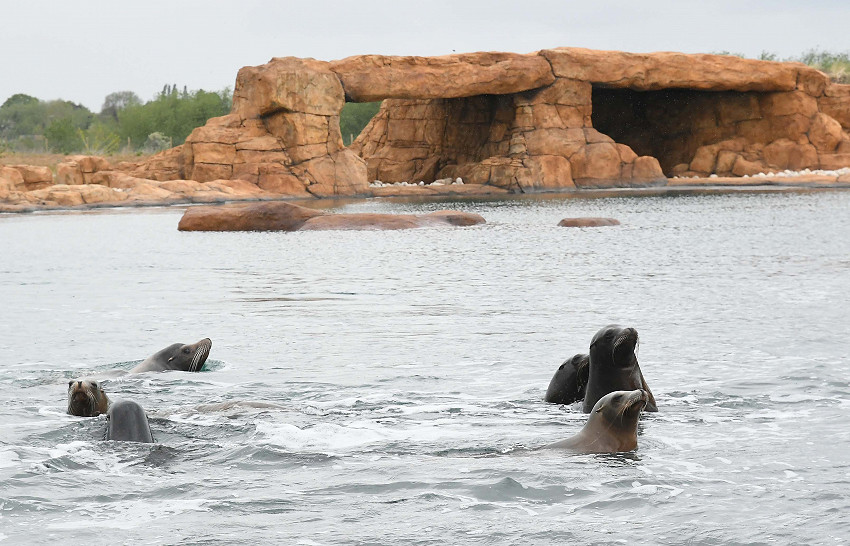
<point x="385" y="387"/>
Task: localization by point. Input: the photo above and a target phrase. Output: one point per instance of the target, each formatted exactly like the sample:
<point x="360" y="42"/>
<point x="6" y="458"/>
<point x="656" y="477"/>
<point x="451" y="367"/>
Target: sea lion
<point x="127" y="422"/>
<point x="86" y="398"/>
<point x="614" y="366"/>
<point x="612" y="425"/>
<point x="569" y="382"/>
<point x="187" y="358"/>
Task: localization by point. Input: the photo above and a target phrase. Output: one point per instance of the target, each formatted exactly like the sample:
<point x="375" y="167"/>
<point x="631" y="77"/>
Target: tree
<point x="171" y="113"/>
<point x="62" y="136"/>
<point x="19" y="98"/>
<point x="354" y="117"/>
<point x="117" y="101"/>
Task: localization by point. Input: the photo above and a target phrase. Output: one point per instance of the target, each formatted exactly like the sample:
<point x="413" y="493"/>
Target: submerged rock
<point x="283" y="216"/>
<point x="588" y="222"/>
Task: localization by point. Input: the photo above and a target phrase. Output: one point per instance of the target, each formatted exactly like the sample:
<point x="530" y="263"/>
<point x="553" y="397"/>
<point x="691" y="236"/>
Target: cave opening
<point x="671" y="124"/>
<point x="432" y="139"/>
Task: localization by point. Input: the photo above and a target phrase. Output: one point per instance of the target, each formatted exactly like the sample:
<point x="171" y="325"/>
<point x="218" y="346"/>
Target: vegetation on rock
<point x="834" y="65"/>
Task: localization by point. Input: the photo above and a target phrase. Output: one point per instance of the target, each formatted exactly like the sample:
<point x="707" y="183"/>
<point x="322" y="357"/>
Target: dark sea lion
<point x="569" y="382"/>
<point x="612" y="425"/>
<point x="614" y="366"/>
<point x="127" y="422"/>
<point x="187" y="358"/>
<point x="86" y="398"/>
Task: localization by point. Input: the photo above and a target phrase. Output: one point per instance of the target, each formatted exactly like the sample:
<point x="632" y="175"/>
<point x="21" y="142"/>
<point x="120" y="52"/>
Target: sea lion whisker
<point x="177" y="356"/>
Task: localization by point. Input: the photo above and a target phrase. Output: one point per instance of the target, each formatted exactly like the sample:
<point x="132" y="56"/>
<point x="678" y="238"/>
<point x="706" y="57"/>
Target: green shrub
<point x="98" y="140"/>
<point x="354" y="117"/>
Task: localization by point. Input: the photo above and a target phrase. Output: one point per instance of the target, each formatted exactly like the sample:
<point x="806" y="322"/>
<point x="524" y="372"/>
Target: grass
<point x="51" y="160"/>
<point x="834" y="65"/>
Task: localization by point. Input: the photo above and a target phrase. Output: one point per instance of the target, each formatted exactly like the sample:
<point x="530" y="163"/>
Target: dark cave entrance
<point x="671" y="124"/>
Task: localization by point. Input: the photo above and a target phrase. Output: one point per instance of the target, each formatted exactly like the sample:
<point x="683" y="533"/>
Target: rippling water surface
<point x="407" y="369"/>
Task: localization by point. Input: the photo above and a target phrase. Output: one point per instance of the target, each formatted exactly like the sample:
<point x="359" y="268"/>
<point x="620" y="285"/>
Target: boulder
<point x="385" y="222"/>
<point x="69" y="174"/>
<point x="288" y="84"/>
<point x="825" y="133"/>
<point x="89" y="163"/>
<point x="34" y="177"/>
<point x="11" y="176"/>
<point x="282" y="216"/>
<point x="668" y="70"/>
<point x="588" y="222"/>
<point x="367" y="78"/>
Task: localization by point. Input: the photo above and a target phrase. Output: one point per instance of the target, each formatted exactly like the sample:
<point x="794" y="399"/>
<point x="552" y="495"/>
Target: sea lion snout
<point x="627" y="338"/>
<point x="640" y="397"/>
<point x="86" y="398"/>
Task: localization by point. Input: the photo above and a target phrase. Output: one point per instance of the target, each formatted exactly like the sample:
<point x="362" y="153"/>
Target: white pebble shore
<point x="441" y="182"/>
<point x="787" y="173"/>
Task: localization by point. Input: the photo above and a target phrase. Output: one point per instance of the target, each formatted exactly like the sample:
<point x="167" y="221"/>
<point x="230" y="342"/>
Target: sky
<point x="83" y="50"/>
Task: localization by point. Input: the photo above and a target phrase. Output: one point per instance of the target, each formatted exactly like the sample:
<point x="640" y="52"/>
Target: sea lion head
<point x="86" y="398"/>
<point x="611" y="426"/>
<point x="622" y="408"/>
<point x="189" y="358"/>
<point x="570" y="380"/>
<point x="615" y="345"/>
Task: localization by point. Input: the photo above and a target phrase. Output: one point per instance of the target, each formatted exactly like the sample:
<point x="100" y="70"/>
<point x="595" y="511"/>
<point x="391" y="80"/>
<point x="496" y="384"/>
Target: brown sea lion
<point x="186" y="358"/>
<point x="612" y="425"/>
<point x="614" y="366"/>
<point x="569" y="382"/>
<point x="86" y="398"/>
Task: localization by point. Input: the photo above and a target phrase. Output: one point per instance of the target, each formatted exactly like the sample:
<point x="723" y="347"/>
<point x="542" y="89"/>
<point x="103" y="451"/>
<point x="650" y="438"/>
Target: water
<point x="408" y="370"/>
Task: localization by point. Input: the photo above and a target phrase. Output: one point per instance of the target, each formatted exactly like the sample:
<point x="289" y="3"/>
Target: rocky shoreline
<point x="131" y="192"/>
<point x="564" y="120"/>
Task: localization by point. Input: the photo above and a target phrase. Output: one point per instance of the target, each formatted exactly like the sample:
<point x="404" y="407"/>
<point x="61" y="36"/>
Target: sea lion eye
<point x="94" y="385"/>
<point x="70" y="383"/>
<point x="186" y="350"/>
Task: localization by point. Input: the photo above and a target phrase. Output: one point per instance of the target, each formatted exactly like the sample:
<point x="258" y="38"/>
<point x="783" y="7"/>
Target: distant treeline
<point x="126" y="124"/>
<point x="28" y="124"/>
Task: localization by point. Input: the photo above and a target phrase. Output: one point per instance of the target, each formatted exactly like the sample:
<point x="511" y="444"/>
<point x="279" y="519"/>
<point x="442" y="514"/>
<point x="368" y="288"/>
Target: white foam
<point x="9" y="459"/>
<point x="336" y="438"/>
<point x="128" y="514"/>
<point x="82" y="453"/>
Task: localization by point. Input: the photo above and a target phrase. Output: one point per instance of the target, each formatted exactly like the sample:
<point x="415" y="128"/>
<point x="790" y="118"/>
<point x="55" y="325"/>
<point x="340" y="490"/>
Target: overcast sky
<point x="83" y="50"/>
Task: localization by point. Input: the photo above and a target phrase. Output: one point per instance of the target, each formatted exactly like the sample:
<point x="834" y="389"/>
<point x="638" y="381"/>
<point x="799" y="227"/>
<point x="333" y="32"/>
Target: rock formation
<point x="588" y="222"/>
<point x="560" y="118"/>
<point x="282" y="216"/>
<point x="619" y="119"/>
<point x="555" y="119"/>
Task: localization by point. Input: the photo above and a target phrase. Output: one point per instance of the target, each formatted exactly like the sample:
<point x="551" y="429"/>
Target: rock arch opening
<point x="354" y="117"/>
<point x="428" y="139"/>
<point x="673" y="124"/>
